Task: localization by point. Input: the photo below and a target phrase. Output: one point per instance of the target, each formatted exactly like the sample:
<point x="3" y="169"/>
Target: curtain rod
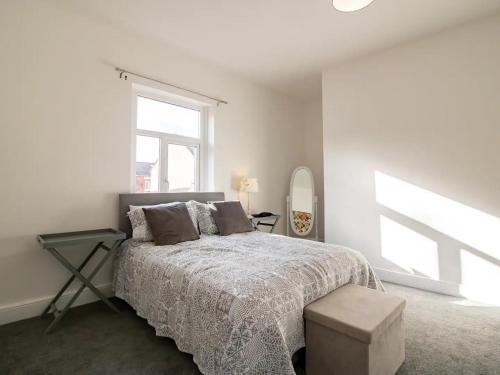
<point x="124" y="72"/>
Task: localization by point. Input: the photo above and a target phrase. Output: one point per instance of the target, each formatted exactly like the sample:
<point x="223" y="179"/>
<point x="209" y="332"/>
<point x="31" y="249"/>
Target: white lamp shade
<point x="350" y="5"/>
<point x="249" y="185"/>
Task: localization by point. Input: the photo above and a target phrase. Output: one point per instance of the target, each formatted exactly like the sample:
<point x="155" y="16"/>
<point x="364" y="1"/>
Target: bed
<point x="235" y="302"/>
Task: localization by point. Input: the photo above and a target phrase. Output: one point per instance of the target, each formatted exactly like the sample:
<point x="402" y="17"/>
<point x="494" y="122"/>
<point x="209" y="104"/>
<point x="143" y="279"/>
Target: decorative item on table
<point x="249" y="185"/>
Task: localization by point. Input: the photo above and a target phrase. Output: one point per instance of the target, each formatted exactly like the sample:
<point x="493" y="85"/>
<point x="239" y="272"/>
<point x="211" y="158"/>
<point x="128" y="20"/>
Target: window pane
<point x="147" y="164"/>
<point x="167" y="118"/>
<point x="182" y="162"/>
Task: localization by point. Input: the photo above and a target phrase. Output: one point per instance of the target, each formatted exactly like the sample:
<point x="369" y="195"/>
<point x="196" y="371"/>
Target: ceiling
<point x="283" y="44"/>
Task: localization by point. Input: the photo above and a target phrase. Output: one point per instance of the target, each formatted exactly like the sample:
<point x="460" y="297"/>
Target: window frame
<point x="201" y="143"/>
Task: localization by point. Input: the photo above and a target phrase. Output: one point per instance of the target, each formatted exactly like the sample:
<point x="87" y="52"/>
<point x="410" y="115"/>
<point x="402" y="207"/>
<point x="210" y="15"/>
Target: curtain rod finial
<point x="123" y="75"/>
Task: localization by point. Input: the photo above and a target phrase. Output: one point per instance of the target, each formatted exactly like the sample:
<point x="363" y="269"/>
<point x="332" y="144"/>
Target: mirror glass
<point x="302" y="201"/>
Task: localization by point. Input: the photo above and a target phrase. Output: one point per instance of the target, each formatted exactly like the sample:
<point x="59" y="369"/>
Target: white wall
<point x="313" y="148"/>
<point x="425" y="116"/>
<point x="65" y="136"/>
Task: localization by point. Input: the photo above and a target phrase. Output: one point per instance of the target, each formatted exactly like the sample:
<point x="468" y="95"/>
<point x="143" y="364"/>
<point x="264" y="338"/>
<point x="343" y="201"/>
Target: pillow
<point x="230" y="218"/>
<point x="170" y="224"/>
<point x="140" y="228"/>
<point x="204" y="216"/>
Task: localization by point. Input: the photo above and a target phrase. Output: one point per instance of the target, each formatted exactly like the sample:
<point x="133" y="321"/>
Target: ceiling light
<point x="350" y="5"/>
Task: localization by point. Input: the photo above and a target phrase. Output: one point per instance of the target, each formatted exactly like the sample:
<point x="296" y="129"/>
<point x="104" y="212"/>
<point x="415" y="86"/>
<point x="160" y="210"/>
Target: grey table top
<point x="75" y="238"/>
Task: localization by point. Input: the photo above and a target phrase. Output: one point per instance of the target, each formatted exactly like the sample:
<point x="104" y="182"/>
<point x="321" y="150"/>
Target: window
<point x="169" y="143"/>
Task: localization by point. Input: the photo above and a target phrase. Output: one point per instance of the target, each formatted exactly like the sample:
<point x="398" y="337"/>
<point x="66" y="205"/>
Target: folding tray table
<point x="97" y="236"/>
<point x="262" y="220"/>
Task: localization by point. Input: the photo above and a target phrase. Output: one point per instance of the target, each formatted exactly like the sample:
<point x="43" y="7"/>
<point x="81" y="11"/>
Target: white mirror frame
<point x="289" y="200"/>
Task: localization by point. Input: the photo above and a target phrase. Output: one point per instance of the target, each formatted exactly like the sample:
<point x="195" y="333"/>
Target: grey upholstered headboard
<point x="144" y="199"/>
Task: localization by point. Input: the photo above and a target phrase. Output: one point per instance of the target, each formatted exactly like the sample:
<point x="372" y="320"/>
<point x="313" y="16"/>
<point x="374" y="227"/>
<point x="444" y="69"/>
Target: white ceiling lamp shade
<point x="350" y="5"/>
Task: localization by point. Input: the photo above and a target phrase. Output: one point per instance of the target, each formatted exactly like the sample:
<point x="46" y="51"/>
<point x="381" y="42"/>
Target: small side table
<point x="264" y="221"/>
<point x="50" y="242"/>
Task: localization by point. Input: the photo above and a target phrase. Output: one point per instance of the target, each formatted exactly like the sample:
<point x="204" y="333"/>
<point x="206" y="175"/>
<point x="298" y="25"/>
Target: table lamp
<point x="249" y="185"/>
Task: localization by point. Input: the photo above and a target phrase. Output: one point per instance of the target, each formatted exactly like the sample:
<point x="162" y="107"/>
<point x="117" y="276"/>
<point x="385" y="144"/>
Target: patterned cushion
<point x="204" y="216"/>
<point x="140" y="228"/>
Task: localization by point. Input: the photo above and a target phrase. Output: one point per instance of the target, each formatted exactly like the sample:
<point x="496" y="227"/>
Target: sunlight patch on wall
<point x="465" y="224"/>
<point x="408" y="249"/>
<point x="480" y="279"/>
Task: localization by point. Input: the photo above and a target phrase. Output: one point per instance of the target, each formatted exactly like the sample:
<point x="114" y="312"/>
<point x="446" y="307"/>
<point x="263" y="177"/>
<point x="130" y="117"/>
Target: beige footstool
<point x="355" y="330"/>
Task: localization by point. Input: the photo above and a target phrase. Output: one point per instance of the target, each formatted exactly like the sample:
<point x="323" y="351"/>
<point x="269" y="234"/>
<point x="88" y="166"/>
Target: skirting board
<point x="30" y="309"/>
<point x="419" y="282"/>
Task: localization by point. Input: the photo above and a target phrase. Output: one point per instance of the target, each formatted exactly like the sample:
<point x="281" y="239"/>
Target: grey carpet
<point x="443" y="338"/>
<point x="447" y="335"/>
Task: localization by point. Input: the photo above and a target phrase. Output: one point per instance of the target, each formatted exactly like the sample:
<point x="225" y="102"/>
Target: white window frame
<point x="201" y="143"/>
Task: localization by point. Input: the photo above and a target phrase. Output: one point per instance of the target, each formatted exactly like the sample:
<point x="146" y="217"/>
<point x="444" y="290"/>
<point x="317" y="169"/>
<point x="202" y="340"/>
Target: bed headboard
<point x="145" y="199"/>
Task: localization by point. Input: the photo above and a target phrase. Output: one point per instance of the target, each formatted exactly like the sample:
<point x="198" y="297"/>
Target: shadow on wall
<point x="428" y="235"/>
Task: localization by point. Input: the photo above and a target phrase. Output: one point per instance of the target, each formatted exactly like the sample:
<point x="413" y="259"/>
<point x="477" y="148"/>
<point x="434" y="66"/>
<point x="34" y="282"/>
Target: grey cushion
<point x="140" y="228"/>
<point x="230" y="218"/>
<point x="170" y="224"/>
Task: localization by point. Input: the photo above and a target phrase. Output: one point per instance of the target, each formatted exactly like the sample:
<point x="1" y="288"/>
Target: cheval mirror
<point x="302" y="204"/>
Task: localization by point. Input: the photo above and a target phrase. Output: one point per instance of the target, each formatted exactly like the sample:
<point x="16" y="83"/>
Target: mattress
<point x="235" y="302"/>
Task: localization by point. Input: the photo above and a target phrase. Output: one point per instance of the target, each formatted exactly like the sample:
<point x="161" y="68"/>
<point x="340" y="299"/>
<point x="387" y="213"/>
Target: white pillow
<point x="140" y="228"/>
